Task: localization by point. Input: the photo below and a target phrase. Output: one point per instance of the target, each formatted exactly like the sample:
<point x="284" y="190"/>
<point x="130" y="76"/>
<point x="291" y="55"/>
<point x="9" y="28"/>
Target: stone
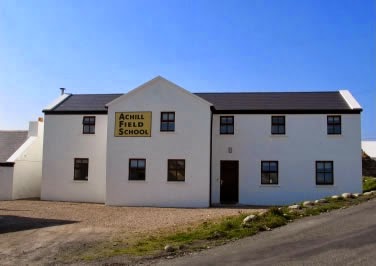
<point x="347" y="195"/>
<point x="249" y="218"/>
<point x="307" y="203"/>
<point x="369" y="193"/>
<point x="356" y="195"/>
<point x="320" y="201"/>
<point x="335" y="197"/>
<point x="169" y="248"/>
<point x="294" y="207"/>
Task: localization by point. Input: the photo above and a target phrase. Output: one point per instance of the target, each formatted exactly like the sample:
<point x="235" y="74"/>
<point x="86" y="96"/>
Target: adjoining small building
<point x="21" y="162"/>
<point x="161" y="145"/>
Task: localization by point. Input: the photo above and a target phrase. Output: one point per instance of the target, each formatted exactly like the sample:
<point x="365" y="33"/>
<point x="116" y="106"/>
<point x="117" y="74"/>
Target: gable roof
<point x="10" y="141"/>
<point x="242" y="102"/>
<point x="278" y="102"/>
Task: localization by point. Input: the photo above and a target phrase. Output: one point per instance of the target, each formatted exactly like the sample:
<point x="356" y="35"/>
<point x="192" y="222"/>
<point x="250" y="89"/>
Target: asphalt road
<point x="342" y="237"/>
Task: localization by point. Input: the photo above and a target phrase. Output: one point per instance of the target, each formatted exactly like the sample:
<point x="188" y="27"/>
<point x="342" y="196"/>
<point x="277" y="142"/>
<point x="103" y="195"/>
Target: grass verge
<point x="369" y="183"/>
<point x="214" y="233"/>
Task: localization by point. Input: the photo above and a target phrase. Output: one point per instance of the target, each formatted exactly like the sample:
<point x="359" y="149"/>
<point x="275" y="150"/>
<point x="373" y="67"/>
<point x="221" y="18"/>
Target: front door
<point x="229" y="182"/>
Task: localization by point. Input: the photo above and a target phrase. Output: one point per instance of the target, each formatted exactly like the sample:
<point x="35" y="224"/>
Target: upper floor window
<point x="137" y="169"/>
<point x="167" y="121"/>
<point x="324" y="172"/>
<point x="88" y="125"/>
<point x="81" y="169"/>
<point x="334" y="124"/>
<point x="278" y="125"/>
<point x="269" y="172"/>
<point x="226" y="125"/>
<point x="176" y="170"/>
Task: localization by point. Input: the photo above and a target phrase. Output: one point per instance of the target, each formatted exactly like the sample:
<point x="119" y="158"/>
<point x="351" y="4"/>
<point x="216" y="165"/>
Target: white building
<point x="160" y="145"/>
<point x="369" y="147"/>
<point x="21" y="162"/>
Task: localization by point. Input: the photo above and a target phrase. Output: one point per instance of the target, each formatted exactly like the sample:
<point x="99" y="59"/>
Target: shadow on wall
<point x="10" y="223"/>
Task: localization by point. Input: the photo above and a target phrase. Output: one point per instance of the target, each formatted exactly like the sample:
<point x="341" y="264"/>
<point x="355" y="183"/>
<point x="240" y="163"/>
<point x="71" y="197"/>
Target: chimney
<point x="62" y="90"/>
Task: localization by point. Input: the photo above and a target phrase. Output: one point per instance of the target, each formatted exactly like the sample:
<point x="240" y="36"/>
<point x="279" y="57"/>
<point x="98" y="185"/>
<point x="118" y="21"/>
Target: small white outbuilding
<point x="21" y="162"/>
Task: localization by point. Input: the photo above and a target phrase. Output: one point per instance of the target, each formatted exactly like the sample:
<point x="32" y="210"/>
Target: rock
<point x="169" y="248"/>
<point x="249" y="218"/>
<point x="347" y="195"/>
<point x="369" y="193"/>
<point x="320" y="201"/>
<point x="335" y="197"/>
<point x="307" y="203"/>
<point x="355" y="195"/>
<point x="294" y="207"/>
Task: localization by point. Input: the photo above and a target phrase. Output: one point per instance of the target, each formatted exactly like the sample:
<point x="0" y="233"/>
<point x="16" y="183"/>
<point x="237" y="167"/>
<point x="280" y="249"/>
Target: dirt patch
<point x="38" y="232"/>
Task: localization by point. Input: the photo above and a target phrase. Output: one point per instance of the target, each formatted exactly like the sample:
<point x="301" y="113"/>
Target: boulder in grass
<point x="294" y="207"/>
<point x="249" y="218"/>
<point x="369" y="193"/>
<point x="346" y="195"/>
<point x="335" y="197"/>
<point x="169" y="248"/>
<point x="308" y="203"/>
<point x="356" y="195"/>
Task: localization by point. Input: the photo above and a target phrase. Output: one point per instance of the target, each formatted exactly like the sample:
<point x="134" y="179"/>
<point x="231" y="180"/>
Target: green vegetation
<point x="213" y="233"/>
<point x="369" y="183"/>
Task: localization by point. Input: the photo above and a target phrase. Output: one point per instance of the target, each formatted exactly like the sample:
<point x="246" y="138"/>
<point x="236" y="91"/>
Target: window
<point x="334" y="124"/>
<point x="269" y="172"/>
<point x="81" y="169"/>
<point x="278" y="125"/>
<point x="227" y="125"/>
<point x="167" y="121"/>
<point x="176" y="170"/>
<point x="324" y="172"/>
<point x="137" y="169"/>
<point x="88" y="125"/>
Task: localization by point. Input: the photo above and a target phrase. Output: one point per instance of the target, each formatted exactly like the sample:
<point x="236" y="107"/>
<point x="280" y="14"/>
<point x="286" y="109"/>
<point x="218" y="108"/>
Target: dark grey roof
<point x="271" y="101"/>
<point x="10" y="141"/>
<point x="85" y="102"/>
<point x="251" y="102"/>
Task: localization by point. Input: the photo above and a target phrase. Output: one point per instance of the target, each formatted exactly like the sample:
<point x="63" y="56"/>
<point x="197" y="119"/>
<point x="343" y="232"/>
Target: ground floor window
<point x="324" y="173"/>
<point x="81" y="169"/>
<point x="269" y="172"/>
<point x="137" y="169"/>
<point x="176" y="170"/>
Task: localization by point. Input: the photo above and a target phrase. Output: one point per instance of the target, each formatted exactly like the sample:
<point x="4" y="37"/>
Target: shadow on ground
<point x="10" y="223"/>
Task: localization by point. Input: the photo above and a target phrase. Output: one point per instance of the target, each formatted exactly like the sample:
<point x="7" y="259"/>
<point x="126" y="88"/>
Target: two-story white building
<point x="160" y="145"/>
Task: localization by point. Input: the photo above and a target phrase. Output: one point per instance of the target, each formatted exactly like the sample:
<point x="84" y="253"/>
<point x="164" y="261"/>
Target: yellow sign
<point x="133" y="124"/>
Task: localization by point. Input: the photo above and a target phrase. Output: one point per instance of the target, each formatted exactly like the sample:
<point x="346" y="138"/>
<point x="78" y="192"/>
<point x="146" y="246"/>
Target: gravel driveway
<point x="35" y="232"/>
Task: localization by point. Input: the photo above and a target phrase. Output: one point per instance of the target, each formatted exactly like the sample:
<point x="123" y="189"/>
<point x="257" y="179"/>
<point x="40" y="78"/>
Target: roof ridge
<point x="255" y="92"/>
<point x="15" y="130"/>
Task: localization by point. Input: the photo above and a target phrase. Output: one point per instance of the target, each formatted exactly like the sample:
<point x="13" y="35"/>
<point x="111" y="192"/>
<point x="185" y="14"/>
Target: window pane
<point x="337" y="129"/>
<point x="273" y="167"/>
<point x="320" y="166"/>
<point x="86" y="129"/>
<point x="281" y="120"/>
<point x="141" y="174"/>
<point x="264" y="178"/>
<point x="328" y="178"/>
<point x="274" y="129"/>
<point x="265" y="166"/>
<point x="171" y="116"/>
<point x="230" y="120"/>
<point x="281" y="129"/>
<point x="274" y="119"/>
<point x="180" y="164"/>
<point x="134" y="163"/>
<point x="230" y="129"/>
<point x="320" y="178"/>
<point x="330" y="119"/>
<point x="273" y="178"/>
<point x="171" y="126"/>
<point x="171" y="175"/>
<point x="223" y="129"/>
<point x="141" y="163"/>
<point x="164" y="116"/>
<point x="328" y="166"/>
<point x="336" y="119"/>
<point x="180" y="175"/>
<point x="171" y="164"/>
<point x="164" y="126"/>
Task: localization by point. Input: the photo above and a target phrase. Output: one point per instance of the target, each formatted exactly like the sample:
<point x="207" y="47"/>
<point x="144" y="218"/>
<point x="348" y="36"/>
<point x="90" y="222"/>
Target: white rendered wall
<point x="64" y="141"/>
<point x="6" y="182"/>
<point x="190" y="141"/>
<point x="305" y="142"/>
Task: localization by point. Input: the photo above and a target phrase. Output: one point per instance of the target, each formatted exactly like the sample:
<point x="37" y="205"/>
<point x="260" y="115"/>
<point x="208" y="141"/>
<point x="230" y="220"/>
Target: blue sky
<point x="114" y="46"/>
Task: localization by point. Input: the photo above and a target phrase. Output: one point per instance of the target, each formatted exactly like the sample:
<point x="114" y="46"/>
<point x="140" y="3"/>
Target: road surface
<point x="342" y="237"/>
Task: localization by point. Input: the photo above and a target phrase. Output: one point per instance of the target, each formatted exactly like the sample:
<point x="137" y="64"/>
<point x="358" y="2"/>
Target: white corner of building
<point x="349" y="98"/>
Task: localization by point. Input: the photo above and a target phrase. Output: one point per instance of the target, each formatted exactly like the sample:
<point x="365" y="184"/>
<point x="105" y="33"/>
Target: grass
<point x="213" y="233"/>
<point x="369" y="183"/>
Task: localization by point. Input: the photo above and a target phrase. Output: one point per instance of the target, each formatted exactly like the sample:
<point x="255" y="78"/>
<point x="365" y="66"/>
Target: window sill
<point x="80" y="181"/>
<point x="137" y="181"/>
<point x="325" y="186"/>
<point x="271" y="185"/>
<point x="278" y="135"/>
<point x="167" y="132"/>
<point x="175" y="182"/>
<point x="334" y="135"/>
